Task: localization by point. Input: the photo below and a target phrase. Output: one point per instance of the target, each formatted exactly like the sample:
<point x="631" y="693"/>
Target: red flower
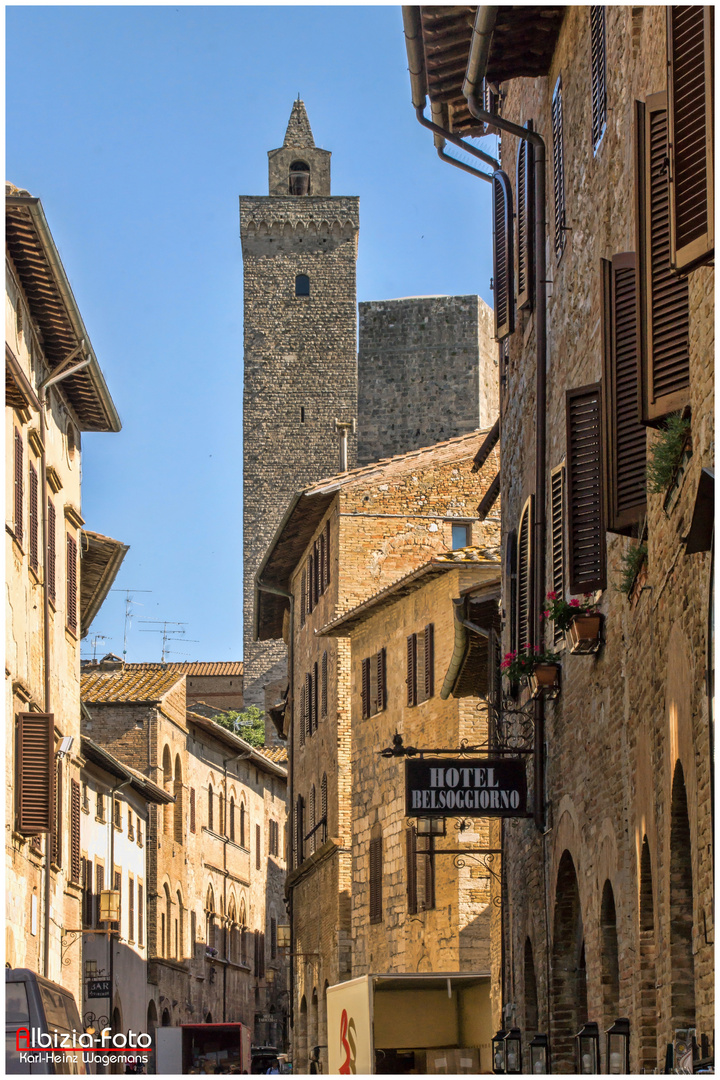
<point x="545" y="614"/>
<point x="574" y="602"/>
<point x="552" y="596"/>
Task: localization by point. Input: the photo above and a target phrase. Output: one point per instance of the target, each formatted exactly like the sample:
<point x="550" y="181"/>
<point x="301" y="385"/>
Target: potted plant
<point x="538" y="666"/>
<point x="579" y="619"/>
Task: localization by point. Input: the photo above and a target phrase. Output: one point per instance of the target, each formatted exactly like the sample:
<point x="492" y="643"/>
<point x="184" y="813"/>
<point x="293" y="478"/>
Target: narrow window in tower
<point x="299" y="178"/>
<point x="302" y="414"/>
<point x="302" y="285"/>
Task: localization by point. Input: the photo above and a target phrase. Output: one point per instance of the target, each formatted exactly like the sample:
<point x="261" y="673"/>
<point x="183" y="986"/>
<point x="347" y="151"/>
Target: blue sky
<point x="139" y="127"/>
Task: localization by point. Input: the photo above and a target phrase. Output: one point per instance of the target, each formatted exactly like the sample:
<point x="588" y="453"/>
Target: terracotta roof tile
<point x="278" y="754"/>
<point x="126" y="685"/>
<point x="195" y="667"/>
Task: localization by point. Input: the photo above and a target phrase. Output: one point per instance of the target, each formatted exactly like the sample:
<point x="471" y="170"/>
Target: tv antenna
<point x="168" y="635"/>
<point x="94" y="642"/>
<point x="129" y="593"/>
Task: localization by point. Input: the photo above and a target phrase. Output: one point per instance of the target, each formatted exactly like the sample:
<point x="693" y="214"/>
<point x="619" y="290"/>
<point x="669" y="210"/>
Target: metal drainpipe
<point x="42" y="394"/>
<point x="274" y="590"/>
<point x="227" y="761"/>
<point x="112" y="886"/>
<point x="477" y="61"/>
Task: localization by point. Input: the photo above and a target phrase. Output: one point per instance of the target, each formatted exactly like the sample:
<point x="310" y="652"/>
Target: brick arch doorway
<point x="648" y="966"/>
<point x="568" y="993"/>
<point x="682" y="959"/>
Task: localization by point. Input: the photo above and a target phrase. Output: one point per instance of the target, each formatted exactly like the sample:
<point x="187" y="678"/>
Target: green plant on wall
<point x="665" y="453"/>
<point x="248" y="724"/>
<point x="630" y="565"/>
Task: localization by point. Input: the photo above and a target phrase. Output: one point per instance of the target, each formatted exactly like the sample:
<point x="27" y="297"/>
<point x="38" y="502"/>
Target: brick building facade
<point x="609" y="895"/>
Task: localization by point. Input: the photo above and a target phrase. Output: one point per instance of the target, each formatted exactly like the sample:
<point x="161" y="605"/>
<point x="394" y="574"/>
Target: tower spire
<point x="299" y="133"/>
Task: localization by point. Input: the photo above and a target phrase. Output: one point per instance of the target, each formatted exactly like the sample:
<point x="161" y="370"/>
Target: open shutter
<point x="510" y="586"/>
<point x="303" y="597"/>
<point x="316" y="572"/>
<point x="411" y="669"/>
<point x="411" y="869"/>
<point x="323" y="685"/>
<point x="71" y="584"/>
<point x="308" y="704"/>
<point x="321" y="546"/>
<point x="380" y="662"/>
<point x="327" y="554"/>
<point x="18" y="463"/>
<point x="315" y="696"/>
<point x="420" y="694"/>
<point x="524" y="586"/>
<point x="558" y="169"/>
<point x="376" y="880"/>
<point x="598" y="72"/>
<point x="58" y="823"/>
<point x="33" y="518"/>
<point x="301" y="718"/>
<point x="625" y="436"/>
<point x="74" y="831"/>
<point x="586" y="525"/>
<point x="365" y="689"/>
<point x="503" y="256"/>
<point x="690" y="133"/>
<point x="50" y="568"/>
<point x="429" y="658"/>
<point x="308" y="585"/>
<point x="35" y="772"/>
<point x="557" y="506"/>
<point x="664" y="304"/>
<point x="525" y="186"/>
<point x="494" y="685"/>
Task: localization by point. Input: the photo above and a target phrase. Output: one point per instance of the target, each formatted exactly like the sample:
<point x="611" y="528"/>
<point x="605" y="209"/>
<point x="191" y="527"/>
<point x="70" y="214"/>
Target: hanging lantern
<point x="539" y="1055"/>
<point x="587" y="1050"/>
<point x="109" y="905"/>
<point x="618" y="1047"/>
<point x="513" y="1051"/>
<point x="431" y="826"/>
<point x="498" y="1051"/>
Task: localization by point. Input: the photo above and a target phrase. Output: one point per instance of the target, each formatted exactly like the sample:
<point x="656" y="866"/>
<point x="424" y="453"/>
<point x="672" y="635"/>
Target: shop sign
<point x="98" y="988"/>
<point x="460" y="787"/>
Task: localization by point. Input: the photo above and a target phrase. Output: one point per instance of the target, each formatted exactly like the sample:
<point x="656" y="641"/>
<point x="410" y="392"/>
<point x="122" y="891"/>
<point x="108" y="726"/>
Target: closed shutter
<point x="131" y="909"/>
<point x="313" y="823"/>
<point x="503" y="256"/>
<point x="192" y="810"/>
<point x="411" y="669"/>
<point x="33" y="518"/>
<point x="301" y="718"/>
<point x="74" y="831"/>
<point x="411" y="870"/>
<point x="625" y="436"/>
<point x="57" y="832"/>
<point x="586" y="526"/>
<point x="303" y="592"/>
<point x="598" y="72"/>
<point x="258" y="847"/>
<point x="376" y="912"/>
<point x="380" y="661"/>
<point x="315" y="696"/>
<point x="429" y="658"/>
<point x="316" y="572"/>
<point x="308" y="704"/>
<point x="557" y="508"/>
<point x="365" y="688"/>
<point x="323" y="798"/>
<point x="420" y="643"/>
<point x="35" y="772"/>
<point x="71" y="584"/>
<point x="327" y="554"/>
<point x="558" y="169"/>
<point x="299" y="830"/>
<point x="690" y="133"/>
<point x="664" y="306"/>
<point x="88" y="897"/>
<point x="524" y="183"/>
<point x="141" y="915"/>
<point x="524" y="586"/>
<point x="321" y="543"/>
<point x="99" y="886"/>
<point x="510" y="590"/>
<point x="308" y="585"/>
<point x="50" y="569"/>
<point x="18" y="462"/>
<point x="323" y="685"/>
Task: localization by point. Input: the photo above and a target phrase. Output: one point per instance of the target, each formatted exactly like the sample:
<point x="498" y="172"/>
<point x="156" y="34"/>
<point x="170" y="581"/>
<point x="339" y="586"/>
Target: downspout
<point x="226" y="761"/>
<point x="111" y="943"/>
<point x="275" y="590"/>
<point x="42" y="394"/>
<point x="477" y="65"/>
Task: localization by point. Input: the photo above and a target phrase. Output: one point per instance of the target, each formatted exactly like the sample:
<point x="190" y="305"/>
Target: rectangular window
<point x="57" y="833"/>
<point x="131" y="909"/>
<point x="88" y="896"/>
<point x="34" y="524"/>
<point x="410" y="678"/>
<point x="557" y="504"/>
<point x="131" y="829"/>
<point x="100" y="806"/>
<point x="141" y="914"/>
<point x="308" y="704"/>
<point x="299" y="830"/>
<point x="50" y="569"/>
<point x="274" y="838"/>
<point x="74" y="831"/>
<point x="558" y="169"/>
<point x="18" y="463"/>
<point x="327" y="554"/>
<point x="598" y="72"/>
<point x="139" y="833"/>
<point x="118" y="814"/>
<point x="425" y="664"/>
<point x="315" y="696"/>
<point x="586" y="525"/>
<point x="35" y="772"/>
<point x="376" y="882"/>
<point x="460" y="536"/>
<point x="373" y="684"/>
<point x="71" y="585"/>
<point x="258" y="847"/>
<point x="324" y="685"/>
<point x="303" y="596"/>
<point x="99" y="887"/>
<point x="420" y="871"/>
<point x="117" y="886"/>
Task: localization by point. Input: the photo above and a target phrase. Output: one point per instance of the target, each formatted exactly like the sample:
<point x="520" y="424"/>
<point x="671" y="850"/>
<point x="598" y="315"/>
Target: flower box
<point x="584" y="633"/>
<point x="545" y="680"/>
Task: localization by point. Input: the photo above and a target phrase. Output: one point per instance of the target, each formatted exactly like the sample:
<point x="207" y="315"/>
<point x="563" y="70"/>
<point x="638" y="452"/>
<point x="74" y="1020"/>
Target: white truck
<point x="410" y="1023"/>
<point x="203" y="1048"/>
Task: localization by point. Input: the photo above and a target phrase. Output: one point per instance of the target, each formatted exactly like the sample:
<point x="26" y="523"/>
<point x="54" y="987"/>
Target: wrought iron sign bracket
<point x="398" y="749"/>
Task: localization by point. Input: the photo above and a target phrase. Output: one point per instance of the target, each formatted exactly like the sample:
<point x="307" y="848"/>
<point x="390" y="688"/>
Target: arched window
<point x="682" y="958"/>
<point x="180" y="950"/>
<point x="178" y="808"/>
<point x="648" y="978"/>
<point x="232" y="818"/>
<point x="299" y="178"/>
<point x="210" y="919"/>
<point x="302" y="285"/>
<point x="221" y="813"/>
<point x="243" y="826"/>
<point x="610" y="968"/>
<point x="569" y="1010"/>
<point x="210" y="807"/>
<point x="168" y="786"/>
<point x="168" y="923"/>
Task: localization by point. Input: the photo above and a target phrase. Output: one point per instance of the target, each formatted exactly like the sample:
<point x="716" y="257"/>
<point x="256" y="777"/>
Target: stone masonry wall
<point x="427" y="371"/>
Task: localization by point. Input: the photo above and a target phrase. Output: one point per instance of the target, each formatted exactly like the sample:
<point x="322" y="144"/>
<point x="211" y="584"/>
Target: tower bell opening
<point x="299" y="178"/>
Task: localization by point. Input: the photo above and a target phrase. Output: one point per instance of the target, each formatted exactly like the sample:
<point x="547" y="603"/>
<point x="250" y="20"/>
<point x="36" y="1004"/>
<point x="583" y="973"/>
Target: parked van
<point x="32" y="1002"/>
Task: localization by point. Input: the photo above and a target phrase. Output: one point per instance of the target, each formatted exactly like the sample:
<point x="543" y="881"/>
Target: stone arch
<point x="302" y="1036"/>
<point x="231" y="817"/>
<point x="211" y="809"/>
<point x="243" y="824"/>
<point x="167" y="921"/>
<point x="313" y="1022"/>
<point x="178" y="807"/>
<point x="682" y="961"/>
<point x="167" y="782"/>
<point x="531" y="991"/>
<point x="208" y="1018"/>
<point x="648" y="971"/>
<point x="165" y="1018"/>
<point x="210" y="918"/>
<point x="609" y="961"/>
<point x="299" y="178"/>
<point x="569" y="981"/>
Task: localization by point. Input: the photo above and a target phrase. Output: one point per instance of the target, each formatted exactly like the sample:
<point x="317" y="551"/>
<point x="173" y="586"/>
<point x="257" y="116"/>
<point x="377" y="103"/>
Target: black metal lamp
<point x="431" y="826"/>
<point x="539" y="1055"/>
<point x="618" y="1047"/>
<point x="498" y="1051"/>
<point x="587" y="1050"/>
<point x="513" y="1051"/>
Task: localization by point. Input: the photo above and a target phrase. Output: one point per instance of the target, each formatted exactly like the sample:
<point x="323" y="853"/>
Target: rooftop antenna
<point x="168" y="635"/>
<point x="128" y="613"/>
<point x="94" y="642"/>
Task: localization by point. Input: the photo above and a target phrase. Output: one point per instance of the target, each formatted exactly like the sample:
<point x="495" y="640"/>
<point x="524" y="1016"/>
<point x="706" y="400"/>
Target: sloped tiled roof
<point x="278" y="754"/>
<point x="101" y="557"/>
<point x="196" y="667"/>
<point x="126" y="685"/>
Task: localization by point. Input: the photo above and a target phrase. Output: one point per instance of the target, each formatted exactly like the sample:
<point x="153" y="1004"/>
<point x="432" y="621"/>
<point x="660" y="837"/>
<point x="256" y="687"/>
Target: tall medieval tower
<point x="299" y="246"/>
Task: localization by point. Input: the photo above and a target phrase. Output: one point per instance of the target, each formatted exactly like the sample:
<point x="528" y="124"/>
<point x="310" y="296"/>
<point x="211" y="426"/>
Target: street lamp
<point x="587" y="1050"/>
<point x="283" y="936"/>
<point x="539" y="1055"/>
<point x="513" y="1051"/>
<point x="498" y="1051"/>
<point x="431" y="826"/>
<point x="618" y="1047"/>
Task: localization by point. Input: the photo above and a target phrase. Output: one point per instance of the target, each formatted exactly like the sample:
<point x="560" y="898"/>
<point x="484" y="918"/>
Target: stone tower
<point x="299" y="246"/>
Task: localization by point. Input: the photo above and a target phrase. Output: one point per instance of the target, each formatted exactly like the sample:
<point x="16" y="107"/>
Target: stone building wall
<point x="427" y="371"/>
<point x="624" y="718"/>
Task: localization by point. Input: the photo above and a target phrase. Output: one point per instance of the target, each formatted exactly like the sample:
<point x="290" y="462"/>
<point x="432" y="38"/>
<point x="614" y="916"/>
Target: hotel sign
<point x="459" y="787"/>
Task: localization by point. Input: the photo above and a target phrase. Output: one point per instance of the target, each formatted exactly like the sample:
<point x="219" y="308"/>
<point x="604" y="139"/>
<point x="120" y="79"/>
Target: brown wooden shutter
<point x="598" y="72"/>
<point x="323" y="797"/>
<point x="141" y="914"/>
<point x="525" y="568"/>
<point x="131" y="909"/>
<point x="192" y="810"/>
<point x="429" y="658"/>
<point x="503" y="256"/>
<point x="303" y="593"/>
<point x="411" y="679"/>
<point x="557" y="506"/>
<point x="71" y="584"/>
<point x="586" y="524"/>
<point x="299" y="830"/>
<point x="625" y="436"/>
<point x="316" y="572"/>
<point x="524" y="183"/>
<point x="50" y="568"/>
<point x="690" y="133"/>
<point x="35" y="772"/>
<point x="420" y="694"/>
<point x="376" y="912"/>
<point x="57" y="832"/>
<point x="411" y="870"/>
<point x="365" y="688"/>
<point x="74" y="831"/>
<point x="99" y="886"/>
<point x="308" y="704"/>
<point x="301" y="718"/>
<point x="258" y="847"/>
<point x="88" y="896"/>
<point x="33" y="518"/>
<point x="510" y="586"/>
<point x="327" y="554"/>
<point x="321" y="544"/>
<point x="558" y="169"/>
<point x="380" y="661"/>
<point x="18" y="486"/>
<point x="315" y="696"/>
<point x="309" y="585"/>
<point x="664" y="306"/>
<point x="324" y="685"/>
<point x="117" y="886"/>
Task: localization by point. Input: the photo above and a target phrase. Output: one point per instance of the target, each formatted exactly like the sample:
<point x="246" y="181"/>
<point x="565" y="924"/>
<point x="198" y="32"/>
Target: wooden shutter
<point x="50" y="568"/>
<point x="313" y="822"/>
<point x="33" y="518"/>
<point x="557" y="509"/>
<point x="210" y="808"/>
<point x="690" y="133"/>
<point x="57" y="832"/>
<point x="429" y="659"/>
<point x="35" y="772"/>
<point x="74" y="831"/>
<point x="303" y="592"/>
<point x="376" y="912"/>
<point x="308" y="704"/>
<point x="301" y="718"/>
<point x="380" y="661"/>
<point x="425" y="860"/>
<point x="598" y="72"/>
<point x="71" y="584"/>
<point x="192" y="810"/>
<point x="99" y="886"/>
<point x="411" y="679"/>
<point x="323" y="685"/>
<point x="323" y="797"/>
<point x="299" y="830"/>
<point x="258" y="847"/>
<point x="327" y="554"/>
<point x="411" y="869"/>
<point x="365" y="688"/>
<point x="586" y="525"/>
<point x="664" y="306"/>
<point x="625" y="436"/>
<point x="525" y="568"/>
<point x="141" y="914"/>
<point x="321" y="544"/>
<point x="131" y="909"/>
<point x="315" y="696"/>
<point x="88" y="896"/>
<point x="316" y="572"/>
<point x="558" y="169"/>
<point x="308" y="585"/>
<point x="525" y="187"/>
<point x="503" y="256"/>
<point x="18" y="462"/>
<point x="510" y="586"/>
